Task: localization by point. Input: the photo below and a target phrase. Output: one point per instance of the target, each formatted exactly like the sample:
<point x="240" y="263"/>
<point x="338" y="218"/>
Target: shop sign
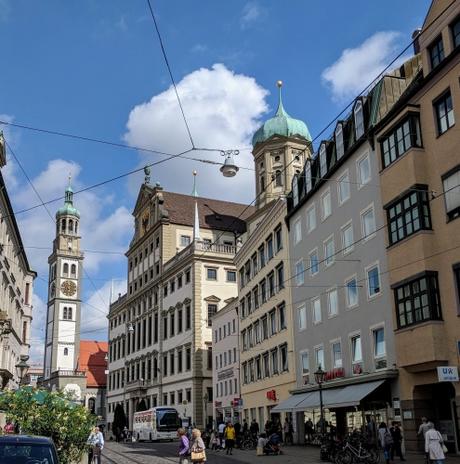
<point x="237" y="402"/>
<point x="225" y="374"/>
<point x="271" y="395"/>
<point x="448" y="374"/>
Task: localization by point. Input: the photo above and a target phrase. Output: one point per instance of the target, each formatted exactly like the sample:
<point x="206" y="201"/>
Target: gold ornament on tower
<point x="68" y="288"/>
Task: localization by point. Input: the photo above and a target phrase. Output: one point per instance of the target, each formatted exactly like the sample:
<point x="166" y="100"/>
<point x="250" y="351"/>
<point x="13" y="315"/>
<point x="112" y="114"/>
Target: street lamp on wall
<point x="320" y="377"/>
<point x="22" y="368"/>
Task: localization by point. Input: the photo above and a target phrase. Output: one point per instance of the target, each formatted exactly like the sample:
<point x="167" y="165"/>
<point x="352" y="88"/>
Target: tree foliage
<point x="119" y="419"/>
<point x="39" y="412"/>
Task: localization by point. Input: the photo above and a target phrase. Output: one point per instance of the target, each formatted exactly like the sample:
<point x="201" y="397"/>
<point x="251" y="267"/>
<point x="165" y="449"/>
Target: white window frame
<point x="310" y="229"/>
<point x="301" y="362"/>
<point x="351" y="337"/>
<point x="349" y="279"/>
<point x="340" y="182"/>
<point x="297" y="229"/>
<point x="373" y="265"/>
<point x="361" y="184"/>
<point x="297" y="275"/>
<point x="332" y="343"/>
<point x="312" y="304"/>
<point x="185" y="237"/>
<point x="322" y="160"/>
<point x="329" y="313"/>
<point x="302" y="308"/>
<point x="358" y="109"/>
<point x="339" y="133"/>
<point x="364" y="236"/>
<point x="332" y="258"/>
<point x="315" y="250"/>
<point x="295" y="191"/>
<point x="326" y="193"/>
<point x="347" y="249"/>
<point x="316" y="348"/>
<point x="372" y="329"/>
<point x="308" y="180"/>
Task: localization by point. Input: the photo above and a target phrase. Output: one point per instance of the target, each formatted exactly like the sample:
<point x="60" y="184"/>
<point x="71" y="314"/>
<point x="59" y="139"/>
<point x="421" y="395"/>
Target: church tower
<point x="280" y="148"/>
<point x="62" y="348"/>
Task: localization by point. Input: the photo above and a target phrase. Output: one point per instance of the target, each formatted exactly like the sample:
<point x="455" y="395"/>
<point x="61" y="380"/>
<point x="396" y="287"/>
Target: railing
<point x="68" y="373"/>
<point x="136" y="384"/>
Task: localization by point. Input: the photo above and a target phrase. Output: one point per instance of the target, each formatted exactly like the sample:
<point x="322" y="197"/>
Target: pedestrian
<point x="371" y="429"/>
<point x="197" y="449"/>
<point x="287" y="429"/>
<point x="268" y="427"/>
<point x="184" y="446"/>
<point x="254" y="429"/>
<point x="214" y="441"/>
<point x="125" y="433"/>
<point x="229" y="436"/>
<point x="237" y="426"/>
<point x="221" y="430"/>
<point x="434" y="445"/>
<point x="397" y="441"/>
<point x="96" y="444"/>
<point x="245" y="428"/>
<point x="424" y="427"/>
<point x="308" y="430"/>
<point x="386" y="441"/>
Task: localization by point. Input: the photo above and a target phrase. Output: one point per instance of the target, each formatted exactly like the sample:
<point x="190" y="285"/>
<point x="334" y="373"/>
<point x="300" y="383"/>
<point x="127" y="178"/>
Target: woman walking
<point x="197" y="449"/>
<point x="229" y="435"/>
<point x="434" y="445"/>
<point x="386" y="441"/>
<point x="184" y="446"/>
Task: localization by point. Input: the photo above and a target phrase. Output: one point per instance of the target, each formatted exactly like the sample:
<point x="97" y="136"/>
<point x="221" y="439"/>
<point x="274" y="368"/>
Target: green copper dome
<point x="68" y="209"/>
<point x="281" y="124"/>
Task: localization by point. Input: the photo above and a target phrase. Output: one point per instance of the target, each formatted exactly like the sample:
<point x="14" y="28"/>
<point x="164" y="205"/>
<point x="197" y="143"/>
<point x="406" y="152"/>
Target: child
<point x="214" y="441"/>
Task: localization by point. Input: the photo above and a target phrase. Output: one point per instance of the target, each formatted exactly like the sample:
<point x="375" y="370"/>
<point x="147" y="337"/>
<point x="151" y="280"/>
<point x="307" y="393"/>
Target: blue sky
<point x="94" y="68"/>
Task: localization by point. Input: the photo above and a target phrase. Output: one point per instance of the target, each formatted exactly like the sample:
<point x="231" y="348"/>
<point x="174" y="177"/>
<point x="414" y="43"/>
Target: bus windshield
<point x="168" y="420"/>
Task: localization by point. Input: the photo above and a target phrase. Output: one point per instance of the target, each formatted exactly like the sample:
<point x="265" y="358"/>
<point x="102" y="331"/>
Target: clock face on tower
<point x="68" y="288"/>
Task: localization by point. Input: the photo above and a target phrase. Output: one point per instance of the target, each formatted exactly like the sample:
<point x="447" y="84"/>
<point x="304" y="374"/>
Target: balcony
<point x="421" y="347"/>
<point x="136" y="385"/>
<point x="68" y="373"/>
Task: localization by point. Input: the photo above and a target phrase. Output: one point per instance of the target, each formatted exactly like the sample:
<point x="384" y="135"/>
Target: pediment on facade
<point x="143" y="198"/>
<point x="212" y="299"/>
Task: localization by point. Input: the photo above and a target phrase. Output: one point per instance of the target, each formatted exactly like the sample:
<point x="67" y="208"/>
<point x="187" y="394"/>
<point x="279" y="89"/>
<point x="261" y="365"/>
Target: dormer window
<point x="308" y="177"/>
<point x="278" y="179"/>
<point x="436" y="52"/>
<point x="359" y="119"/>
<point x="339" y="141"/>
<point x="322" y="160"/>
<point x="295" y="191"/>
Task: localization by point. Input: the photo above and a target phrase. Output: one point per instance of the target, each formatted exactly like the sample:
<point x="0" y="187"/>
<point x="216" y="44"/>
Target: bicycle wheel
<point x="343" y="457"/>
<point x="374" y="456"/>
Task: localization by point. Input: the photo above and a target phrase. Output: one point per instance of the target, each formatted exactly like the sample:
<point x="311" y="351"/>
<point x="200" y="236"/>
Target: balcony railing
<point x="68" y="373"/>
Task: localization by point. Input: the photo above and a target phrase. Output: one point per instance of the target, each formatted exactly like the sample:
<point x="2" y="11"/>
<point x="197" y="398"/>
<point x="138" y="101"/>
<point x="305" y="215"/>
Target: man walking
<point x="397" y="441"/>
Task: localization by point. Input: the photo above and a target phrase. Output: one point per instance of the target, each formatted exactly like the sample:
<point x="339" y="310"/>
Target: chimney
<point x="415" y="37"/>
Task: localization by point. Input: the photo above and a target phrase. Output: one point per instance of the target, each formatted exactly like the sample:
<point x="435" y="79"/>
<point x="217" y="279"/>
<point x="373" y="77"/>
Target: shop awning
<point x="351" y="395"/>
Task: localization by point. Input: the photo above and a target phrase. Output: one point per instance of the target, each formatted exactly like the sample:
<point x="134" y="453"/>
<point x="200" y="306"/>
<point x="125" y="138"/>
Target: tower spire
<point x="280" y="111"/>
<point x="194" y="191"/>
<point x="196" y="223"/>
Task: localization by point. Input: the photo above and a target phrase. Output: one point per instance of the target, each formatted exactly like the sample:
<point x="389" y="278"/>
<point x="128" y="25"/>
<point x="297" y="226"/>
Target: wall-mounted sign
<point x="448" y="374"/>
<point x="271" y="395"/>
<point x="407" y="414"/>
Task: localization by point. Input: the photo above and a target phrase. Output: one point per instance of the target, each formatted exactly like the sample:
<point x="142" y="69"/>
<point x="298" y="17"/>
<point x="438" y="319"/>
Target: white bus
<point x="159" y="423"/>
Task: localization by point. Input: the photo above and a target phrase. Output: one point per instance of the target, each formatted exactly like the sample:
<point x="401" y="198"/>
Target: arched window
<point x="76" y="227"/>
<point x="308" y="177"/>
<point x="322" y="160"/>
<point x="92" y="405"/>
<point x="278" y="179"/>
<point x="63" y="225"/>
<point x="53" y="290"/>
<point x="70" y="225"/>
<point x="295" y="191"/>
<point x="65" y="269"/>
<point x="73" y="270"/>
<point x="359" y="119"/>
<point x="66" y="352"/>
<point x="339" y="141"/>
<point x="262" y="183"/>
<point x="69" y="314"/>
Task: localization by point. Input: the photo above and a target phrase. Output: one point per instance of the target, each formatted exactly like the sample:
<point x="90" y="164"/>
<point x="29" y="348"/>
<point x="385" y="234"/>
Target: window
<point x="436" y="52"/>
<point x="278" y="239"/>
<point x="73" y="270"/>
<point x="379" y="342"/>
<point x="347" y="238"/>
<point x="311" y="218"/>
<point x="188" y="317"/>
<point x="297" y="231"/>
<point x="282" y="316"/>
<point x="314" y="262"/>
<point x="179" y="321"/>
<point x="373" y="281"/>
<point x="326" y="209"/>
<point x="332" y="303"/>
<point x="263" y="291"/>
<point x="188" y="395"/>
<point x="418" y="300"/>
<point x="329" y="251"/>
<point x="339" y="148"/>
<point x="280" y="276"/>
<point x="261" y="257"/>
<point x="444" y="113"/>
<point x="356" y="352"/>
<point x="295" y="191"/>
<point x="284" y="358"/>
<point x="171" y="363"/>
<point x="451" y="184"/>
<point x="319" y="357"/>
<point x="231" y="276"/>
<point x="336" y="355"/>
<point x="408" y="215"/>
<point x="298" y="273"/>
<point x="264" y="327"/>
<point x="270" y="248"/>
<point x="278" y="179"/>
<point x="359" y="119"/>
<point x="455" y="28"/>
<point x="343" y="188"/>
<point x="316" y="310"/>
<point x="255" y="297"/>
<point x="212" y="310"/>
<point x="65" y="270"/>
<point x="351" y="290"/>
<point x="364" y="171"/>
<point x="271" y="284"/>
<point x="308" y="184"/>
<point x="179" y="281"/>
<point x="172" y="324"/>
<point x="368" y="223"/>
<point x="211" y="273"/>
<point x="187" y="276"/>
<point x="322" y="161"/>
<point x="254" y="264"/>
<point x="302" y="312"/>
<point x="179" y="361"/>
<point x="188" y="359"/>
<point x="404" y="136"/>
<point x="184" y="240"/>
<point x="274" y="359"/>
<point x="305" y="362"/>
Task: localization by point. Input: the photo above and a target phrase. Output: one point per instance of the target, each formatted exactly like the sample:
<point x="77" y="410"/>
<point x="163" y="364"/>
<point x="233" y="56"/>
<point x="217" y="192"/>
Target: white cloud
<point x="356" y="67"/>
<point x="199" y="48"/>
<point x="38" y="330"/>
<point x="223" y="109"/>
<point x="252" y="12"/>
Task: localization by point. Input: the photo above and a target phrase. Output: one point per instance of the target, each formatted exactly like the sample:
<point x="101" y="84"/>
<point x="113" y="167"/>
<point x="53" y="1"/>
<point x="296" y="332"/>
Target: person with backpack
<point x="434" y="445"/>
<point x="386" y="441"/>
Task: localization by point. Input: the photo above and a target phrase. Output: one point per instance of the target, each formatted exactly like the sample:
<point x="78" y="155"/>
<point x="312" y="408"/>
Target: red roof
<point x="92" y="361"/>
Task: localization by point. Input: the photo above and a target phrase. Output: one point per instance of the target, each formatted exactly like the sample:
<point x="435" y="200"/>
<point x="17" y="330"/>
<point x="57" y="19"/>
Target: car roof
<point x="25" y="440"/>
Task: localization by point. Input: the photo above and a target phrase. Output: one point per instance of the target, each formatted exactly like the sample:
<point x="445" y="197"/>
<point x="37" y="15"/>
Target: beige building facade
<point x="417" y="145"/>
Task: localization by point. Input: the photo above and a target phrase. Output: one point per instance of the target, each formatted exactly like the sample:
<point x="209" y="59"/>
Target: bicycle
<point x="350" y="454"/>
<point x="249" y="443"/>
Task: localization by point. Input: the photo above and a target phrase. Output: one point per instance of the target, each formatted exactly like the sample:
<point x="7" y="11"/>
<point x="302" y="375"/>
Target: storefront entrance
<point x="437" y="403"/>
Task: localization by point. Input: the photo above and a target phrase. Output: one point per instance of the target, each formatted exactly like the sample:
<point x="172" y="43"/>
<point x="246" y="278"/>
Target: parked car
<point x="24" y="449"/>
